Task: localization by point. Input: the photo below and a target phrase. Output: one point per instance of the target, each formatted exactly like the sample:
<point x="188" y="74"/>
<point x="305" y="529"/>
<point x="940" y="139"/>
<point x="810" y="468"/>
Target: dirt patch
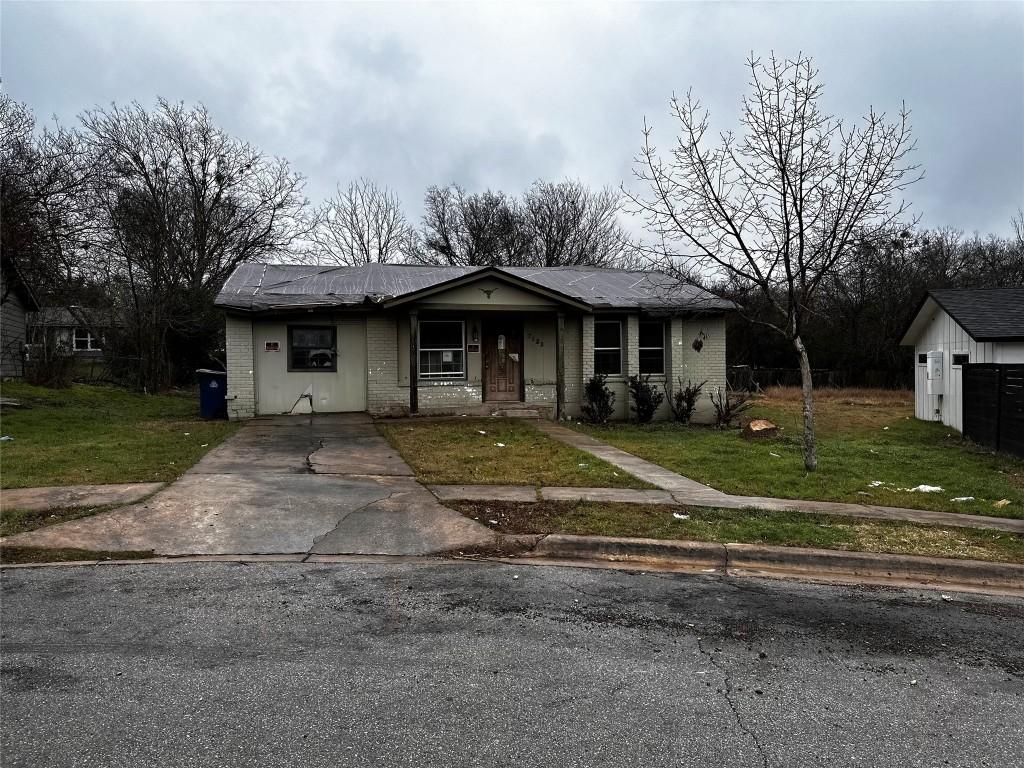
<point x="18" y="555"/>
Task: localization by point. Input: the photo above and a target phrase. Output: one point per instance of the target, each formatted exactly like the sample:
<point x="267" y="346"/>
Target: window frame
<point x="640" y="363"/>
<point x="292" y="368"/>
<point x="954" y="355"/>
<point x="607" y="349"/>
<point x="90" y="340"/>
<point x="420" y="349"/>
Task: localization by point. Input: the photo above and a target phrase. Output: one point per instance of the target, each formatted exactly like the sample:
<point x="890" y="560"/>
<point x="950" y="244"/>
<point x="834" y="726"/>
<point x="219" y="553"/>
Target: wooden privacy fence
<point x="993" y="406"/>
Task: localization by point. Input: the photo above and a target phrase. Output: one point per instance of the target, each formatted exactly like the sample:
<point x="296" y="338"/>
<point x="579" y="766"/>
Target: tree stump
<point x="756" y="429"/>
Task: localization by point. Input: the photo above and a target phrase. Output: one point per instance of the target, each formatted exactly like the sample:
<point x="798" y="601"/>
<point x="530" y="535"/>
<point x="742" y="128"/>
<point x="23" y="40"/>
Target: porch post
<point x="560" y="367"/>
<point x="414" y="395"/>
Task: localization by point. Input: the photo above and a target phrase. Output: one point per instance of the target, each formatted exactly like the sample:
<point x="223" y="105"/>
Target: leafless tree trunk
<point x="362" y="224"/>
<point x="777" y="208"/>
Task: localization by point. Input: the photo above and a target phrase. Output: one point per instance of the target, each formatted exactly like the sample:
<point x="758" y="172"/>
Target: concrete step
<point x="517" y="413"/>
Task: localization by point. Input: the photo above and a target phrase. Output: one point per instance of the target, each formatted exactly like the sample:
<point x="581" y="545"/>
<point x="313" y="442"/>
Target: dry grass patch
<point x="792" y="529"/>
<point x="496" y="451"/>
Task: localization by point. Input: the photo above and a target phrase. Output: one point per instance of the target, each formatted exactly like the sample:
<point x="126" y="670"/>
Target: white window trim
<point x="608" y="349"/>
<point x="660" y="349"/>
<point x="90" y="341"/>
<point x="420" y="349"/>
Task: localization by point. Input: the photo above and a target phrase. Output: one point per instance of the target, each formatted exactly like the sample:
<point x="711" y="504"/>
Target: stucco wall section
<point x="239" y="352"/>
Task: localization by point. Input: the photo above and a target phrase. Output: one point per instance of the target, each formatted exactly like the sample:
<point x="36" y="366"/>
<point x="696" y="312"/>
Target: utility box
<point x="935" y="384"/>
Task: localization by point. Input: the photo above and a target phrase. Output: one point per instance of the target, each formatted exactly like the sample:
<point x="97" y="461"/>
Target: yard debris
<point x="187" y="434"/>
<point x="493" y="522"/>
<point x="923" y="489"/>
<point x="773" y="453"/>
<point x="481" y="432"/>
<point x="1001" y="503"/>
<point x="680" y="516"/>
<point x="875" y="483"/>
<point x="758" y="428"/>
<point x="913" y="682"/>
<point x="500" y="445"/>
<point x="947" y="598"/>
<point x="962" y="498"/>
<point x="863" y="493"/>
<point x="515" y="577"/>
<point x="204" y="445"/>
<point x="584" y="465"/>
<point x="5" y="438"/>
<point x="885" y="429"/>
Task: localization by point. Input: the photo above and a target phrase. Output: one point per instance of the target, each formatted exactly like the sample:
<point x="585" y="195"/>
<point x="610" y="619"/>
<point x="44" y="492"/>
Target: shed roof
<point x="986" y="314"/>
<point x="274" y="287"/>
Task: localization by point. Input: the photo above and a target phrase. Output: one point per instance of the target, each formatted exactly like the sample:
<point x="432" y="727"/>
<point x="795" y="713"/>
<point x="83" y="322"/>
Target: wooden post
<point x="414" y="363"/>
<point x="560" y="367"/>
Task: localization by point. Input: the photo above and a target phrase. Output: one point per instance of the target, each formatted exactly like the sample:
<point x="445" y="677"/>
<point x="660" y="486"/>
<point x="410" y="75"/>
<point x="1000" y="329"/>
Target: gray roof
<point x="987" y="314"/>
<point x="61" y="317"/>
<point x="274" y="287"/>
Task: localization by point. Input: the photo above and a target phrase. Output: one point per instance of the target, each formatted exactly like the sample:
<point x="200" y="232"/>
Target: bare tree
<point x="179" y="204"/>
<point x="477" y="229"/>
<point x="555" y="224"/>
<point x="361" y="224"/>
<point x="777" y="208"/>
<point x="571" y="225"/>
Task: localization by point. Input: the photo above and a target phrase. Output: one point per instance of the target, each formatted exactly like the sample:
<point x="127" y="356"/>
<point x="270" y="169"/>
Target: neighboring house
<point x="16" y="300"/>
<point x="399" y="339"/>
<point x="74" y="330"/>
<point x="969" y="360"/>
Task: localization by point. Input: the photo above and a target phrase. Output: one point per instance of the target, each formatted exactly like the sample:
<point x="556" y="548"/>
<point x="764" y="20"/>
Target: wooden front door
<point x="503" y="360"/>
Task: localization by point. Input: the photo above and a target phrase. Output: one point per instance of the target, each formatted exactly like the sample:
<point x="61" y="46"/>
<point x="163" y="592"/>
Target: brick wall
<point x="384" y="394"/>
<point x="241" y="381"/>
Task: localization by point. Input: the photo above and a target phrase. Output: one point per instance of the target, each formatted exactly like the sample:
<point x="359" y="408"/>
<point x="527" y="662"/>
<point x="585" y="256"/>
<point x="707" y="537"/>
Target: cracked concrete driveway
<point x="328" y="484"/>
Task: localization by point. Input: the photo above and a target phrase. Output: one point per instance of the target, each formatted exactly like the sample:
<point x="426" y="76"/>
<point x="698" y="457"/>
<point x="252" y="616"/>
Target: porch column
<point x="414" y="368"/>
<point x="560" y="367"/>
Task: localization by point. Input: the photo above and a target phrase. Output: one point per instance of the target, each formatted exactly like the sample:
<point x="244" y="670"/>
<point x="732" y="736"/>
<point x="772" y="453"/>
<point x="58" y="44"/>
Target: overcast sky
<point x="499" y="95"/>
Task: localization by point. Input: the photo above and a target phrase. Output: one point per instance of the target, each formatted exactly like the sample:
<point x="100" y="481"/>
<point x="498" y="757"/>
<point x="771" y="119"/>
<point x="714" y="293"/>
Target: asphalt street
<point x="457" y="663"/>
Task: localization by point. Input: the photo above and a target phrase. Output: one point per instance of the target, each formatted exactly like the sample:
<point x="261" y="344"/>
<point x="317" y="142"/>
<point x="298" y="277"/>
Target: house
<point x="16" y="300"/>
<point x="395" y="339"/>
<point x="969" y="362"/>
<point x="72" y="330"/>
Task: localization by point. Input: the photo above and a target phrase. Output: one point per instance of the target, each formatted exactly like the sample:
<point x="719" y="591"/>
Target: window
<point x="442" y="349"/>
<point x="608" y="347"/>
<point x="86" y="342"/>
<point x="923" y="358"/>
<point x="652" y="346"/>
<point x="312" y="348"/>
<point x="961" y="358"/>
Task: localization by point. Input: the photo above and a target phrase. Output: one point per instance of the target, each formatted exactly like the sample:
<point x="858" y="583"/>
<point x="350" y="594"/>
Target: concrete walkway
<point x="691" y="493"/>
<point x="319" y="484"/>
<point x="63" y="496"/>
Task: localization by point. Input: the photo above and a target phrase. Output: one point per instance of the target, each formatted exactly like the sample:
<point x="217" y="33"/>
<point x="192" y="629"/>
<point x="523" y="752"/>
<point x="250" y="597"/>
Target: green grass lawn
<point x="864" y="437"/>
<point x="95" y="434"/>
<point x="465" y="451"/>
<point x="744" y="526"/>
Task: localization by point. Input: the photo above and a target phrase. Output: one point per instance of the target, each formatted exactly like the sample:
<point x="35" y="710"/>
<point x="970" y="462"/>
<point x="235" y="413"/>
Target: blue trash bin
<point x="213" y="388"/>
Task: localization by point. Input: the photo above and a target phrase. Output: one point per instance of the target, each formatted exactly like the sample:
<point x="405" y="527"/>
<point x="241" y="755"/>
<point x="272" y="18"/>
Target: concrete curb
<point x="752" y="559"/>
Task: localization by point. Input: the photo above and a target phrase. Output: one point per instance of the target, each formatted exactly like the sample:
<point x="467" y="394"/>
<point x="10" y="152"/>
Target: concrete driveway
<point x="325" y="484"/>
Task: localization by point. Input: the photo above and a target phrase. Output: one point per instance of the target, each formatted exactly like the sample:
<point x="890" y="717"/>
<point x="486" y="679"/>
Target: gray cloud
<point x="413" y="95"/>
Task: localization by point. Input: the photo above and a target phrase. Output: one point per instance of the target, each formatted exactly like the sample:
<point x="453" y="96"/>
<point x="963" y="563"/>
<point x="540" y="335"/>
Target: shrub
<point x="683" y="402"/>
<point x="598" y="401"/>
<point x="729" y="404"/>
<point x="646" y="398"/>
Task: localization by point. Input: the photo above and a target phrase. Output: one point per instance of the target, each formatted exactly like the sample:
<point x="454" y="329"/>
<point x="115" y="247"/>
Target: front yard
<point x="744" y="526"/>
<point x="496" y="451"/>
<point x="94" y="434"/>
<point x="870" y="450"/>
